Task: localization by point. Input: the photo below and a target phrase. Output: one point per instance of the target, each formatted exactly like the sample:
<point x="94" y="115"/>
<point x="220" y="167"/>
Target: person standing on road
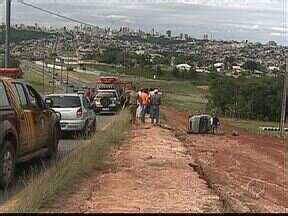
<point x="215" y="124"/>
<point x="155" y="103"/>
<point x="88" y="94"/>
<point x="139" y="108"/>
<point x="92" y="102"/>
<point x="132" y="98"/>
<point x="144" y="101"/>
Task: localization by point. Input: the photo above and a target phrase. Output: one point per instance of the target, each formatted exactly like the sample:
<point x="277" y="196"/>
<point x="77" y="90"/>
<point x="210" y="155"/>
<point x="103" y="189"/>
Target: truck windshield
<point x="65" y="101"/>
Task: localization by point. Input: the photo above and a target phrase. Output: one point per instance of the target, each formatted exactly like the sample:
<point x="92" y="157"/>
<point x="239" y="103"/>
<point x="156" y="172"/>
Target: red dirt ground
<point x="248" y="169"/>
<point x="148" y="172"/>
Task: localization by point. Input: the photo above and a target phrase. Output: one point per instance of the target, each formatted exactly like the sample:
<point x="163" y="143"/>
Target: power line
<point x="55" y="14"/>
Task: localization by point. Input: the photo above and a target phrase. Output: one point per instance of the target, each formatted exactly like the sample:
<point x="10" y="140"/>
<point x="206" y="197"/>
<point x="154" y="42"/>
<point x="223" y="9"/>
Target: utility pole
<point x="67" y="77"/>
<point x="7" y="40"/>
<point x="62" y="71"/>
<point x="43" y="74"/>
<point x="284" y="100"/>
<point x="53" y="73"/>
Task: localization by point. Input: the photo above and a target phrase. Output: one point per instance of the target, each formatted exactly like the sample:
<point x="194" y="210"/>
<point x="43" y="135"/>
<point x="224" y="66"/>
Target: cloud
<point x="276" y="34"/>
<point x="280" y="29"/>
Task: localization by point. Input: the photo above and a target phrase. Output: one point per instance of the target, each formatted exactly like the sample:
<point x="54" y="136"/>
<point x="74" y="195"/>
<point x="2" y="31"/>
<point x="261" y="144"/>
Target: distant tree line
<point x="18" y="36"/>
<point x="258" y="99"/>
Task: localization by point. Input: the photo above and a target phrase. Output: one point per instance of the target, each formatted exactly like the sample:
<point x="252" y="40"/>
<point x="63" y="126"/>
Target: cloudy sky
<point x="224" y="3"/>
<point x="256" y="20"/>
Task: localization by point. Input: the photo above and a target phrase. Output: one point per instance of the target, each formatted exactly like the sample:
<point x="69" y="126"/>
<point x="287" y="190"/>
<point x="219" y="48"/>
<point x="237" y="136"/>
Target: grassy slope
<point x="81" y="162"/>
<point x="182" y="95"/>
<point x="250" y="125"/>
<point x="36" y="80"/>
<point x="20" y="35"/>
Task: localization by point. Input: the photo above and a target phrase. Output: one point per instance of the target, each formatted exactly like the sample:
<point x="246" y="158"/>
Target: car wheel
<point x="53" y="144"/>
<point x="7" y="163"/>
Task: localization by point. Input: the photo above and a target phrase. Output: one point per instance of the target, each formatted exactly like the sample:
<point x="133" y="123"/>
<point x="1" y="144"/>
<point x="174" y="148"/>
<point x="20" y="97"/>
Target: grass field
<point x="250" y="125"/>
<point x="182" y="95"/>
<point x="36" y="80"/>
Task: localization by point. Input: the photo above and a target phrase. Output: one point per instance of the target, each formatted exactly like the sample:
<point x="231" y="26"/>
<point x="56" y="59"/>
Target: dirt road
<point x="148" y="172"/>
<point x="248" y="170"/>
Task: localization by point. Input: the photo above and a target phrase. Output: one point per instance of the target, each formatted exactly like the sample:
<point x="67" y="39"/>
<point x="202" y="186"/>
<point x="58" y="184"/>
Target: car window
<point x="3" y="96"/>
<point x="21" y="94"/>
<point x="65" y="101"/>
<point x="34" y="97"/>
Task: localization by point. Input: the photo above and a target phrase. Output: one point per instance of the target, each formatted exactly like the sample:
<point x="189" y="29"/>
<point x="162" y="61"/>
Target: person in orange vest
<point x="144" y="101"/>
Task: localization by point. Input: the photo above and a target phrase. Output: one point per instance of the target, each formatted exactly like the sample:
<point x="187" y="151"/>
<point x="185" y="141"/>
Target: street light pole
<point x="7" y="39"/>
<point x="284" y="101"/>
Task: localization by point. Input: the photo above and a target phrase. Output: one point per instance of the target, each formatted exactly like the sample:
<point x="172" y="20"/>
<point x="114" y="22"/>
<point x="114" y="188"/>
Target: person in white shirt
<point x="139" y="108"/>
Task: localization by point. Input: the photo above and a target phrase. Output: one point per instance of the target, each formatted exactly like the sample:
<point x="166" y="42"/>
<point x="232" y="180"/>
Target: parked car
<point x="77" y="115"/>
<point x="28" y="128"/>
<point x="107" y="101"/>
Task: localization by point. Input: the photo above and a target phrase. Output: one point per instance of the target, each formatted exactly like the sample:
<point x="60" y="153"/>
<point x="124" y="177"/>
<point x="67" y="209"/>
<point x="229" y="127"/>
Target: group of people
<point x="145" y="102"/>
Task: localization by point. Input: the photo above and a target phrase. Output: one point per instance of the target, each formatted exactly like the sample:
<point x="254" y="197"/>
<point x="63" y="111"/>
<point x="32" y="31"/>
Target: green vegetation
<point x="249" y="125"/>
<point x="255" y="99"/>
<point x="81" y="162"/>
<point x="18" y="36"/>
<point x="36" y="80"/>
<point x="103" y="68"/>
<point x="182" y="95"/>
<point x="146" y="66"/>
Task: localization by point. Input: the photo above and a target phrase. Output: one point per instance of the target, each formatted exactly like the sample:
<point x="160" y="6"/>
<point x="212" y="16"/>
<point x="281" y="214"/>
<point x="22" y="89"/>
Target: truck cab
<point x="28" y="128"/>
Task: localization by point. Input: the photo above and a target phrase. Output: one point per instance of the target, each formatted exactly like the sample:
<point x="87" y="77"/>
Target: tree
<point x="247" y="98"/>
<point x="251" y="66"/>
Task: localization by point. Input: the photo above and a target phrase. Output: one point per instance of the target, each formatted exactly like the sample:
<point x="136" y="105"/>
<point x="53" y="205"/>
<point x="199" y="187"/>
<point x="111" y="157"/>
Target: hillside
<point x="20" y="35"/>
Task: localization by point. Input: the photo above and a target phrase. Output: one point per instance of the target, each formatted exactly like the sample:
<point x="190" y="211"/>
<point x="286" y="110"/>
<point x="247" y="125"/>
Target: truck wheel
<point x="53" y="144"/>
<point x="7" y="164"/>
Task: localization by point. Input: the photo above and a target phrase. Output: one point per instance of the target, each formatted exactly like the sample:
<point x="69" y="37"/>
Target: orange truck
<point x="115" y="81"/>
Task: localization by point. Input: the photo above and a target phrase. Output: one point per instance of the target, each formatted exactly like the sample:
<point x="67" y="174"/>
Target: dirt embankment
<point x="148" y="172"/>
<point x="247" y="170"/>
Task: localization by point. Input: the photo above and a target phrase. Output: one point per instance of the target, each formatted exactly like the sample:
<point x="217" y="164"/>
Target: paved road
<point x="39" y="69"/>
<point x="70" y="142"/>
